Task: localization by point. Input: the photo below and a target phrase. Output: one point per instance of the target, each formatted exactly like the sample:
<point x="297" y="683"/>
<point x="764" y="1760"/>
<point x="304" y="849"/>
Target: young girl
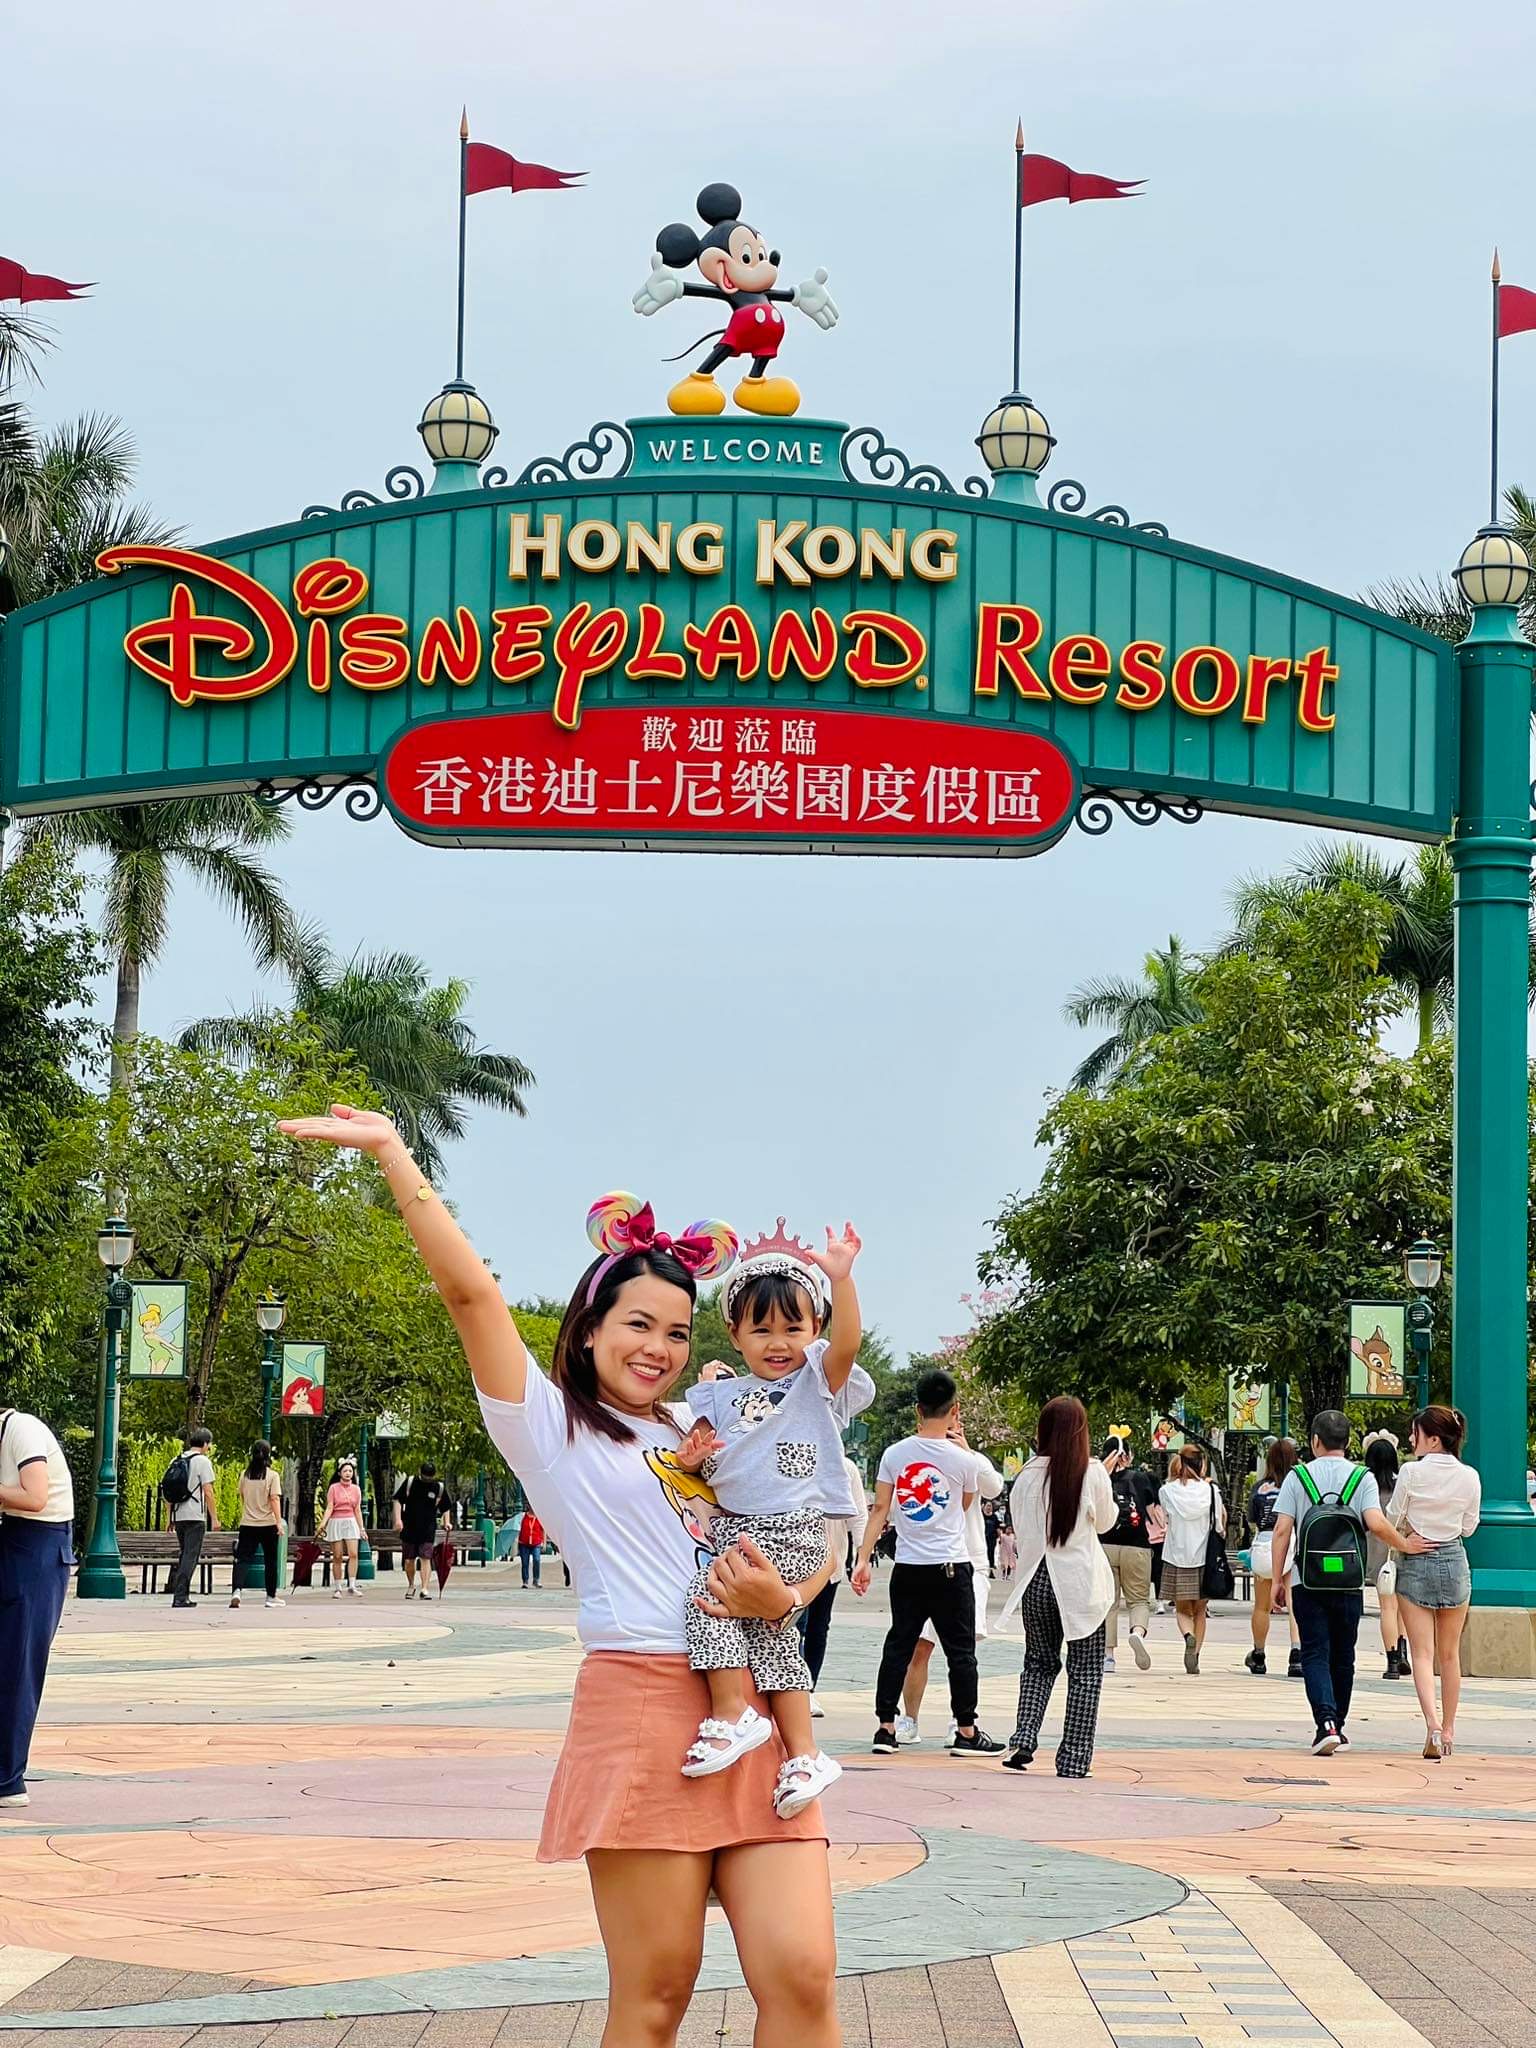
<point x="344" y="1527"/>
<point x="771" y="1449"/>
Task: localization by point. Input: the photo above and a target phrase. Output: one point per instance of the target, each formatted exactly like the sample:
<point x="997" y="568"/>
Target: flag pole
<point x="463" y="206"/>
<point x="1018" y="248"/>
<point x="1493" y="457"/>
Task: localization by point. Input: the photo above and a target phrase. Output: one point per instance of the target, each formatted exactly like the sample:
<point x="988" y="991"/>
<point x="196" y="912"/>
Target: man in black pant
<point x="931" y="1482"/>
<point x="191" y="1516"/>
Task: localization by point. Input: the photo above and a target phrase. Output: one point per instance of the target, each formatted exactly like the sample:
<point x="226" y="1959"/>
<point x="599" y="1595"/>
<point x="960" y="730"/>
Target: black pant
<point x="253" y="1537"/>
<point x="815" y="1620"/>
<point x="189" y="1534"/>
<point x="945" y="1595"/>
<point x="1328" y="1624"/>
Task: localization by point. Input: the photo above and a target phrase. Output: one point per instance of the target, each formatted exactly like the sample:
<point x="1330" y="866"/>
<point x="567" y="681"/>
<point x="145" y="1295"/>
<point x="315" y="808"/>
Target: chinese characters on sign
<point x="734" y="777"/>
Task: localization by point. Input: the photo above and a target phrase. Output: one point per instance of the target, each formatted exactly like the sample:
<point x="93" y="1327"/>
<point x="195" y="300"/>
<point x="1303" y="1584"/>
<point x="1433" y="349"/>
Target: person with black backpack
<point x="187" y="1490"/>
<point x="1327" y="1505"/>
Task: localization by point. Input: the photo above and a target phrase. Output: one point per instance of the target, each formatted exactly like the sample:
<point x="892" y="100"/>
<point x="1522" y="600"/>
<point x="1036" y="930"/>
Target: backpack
<point x="1330" y="1538"/>
<point x="176" y="1486"/>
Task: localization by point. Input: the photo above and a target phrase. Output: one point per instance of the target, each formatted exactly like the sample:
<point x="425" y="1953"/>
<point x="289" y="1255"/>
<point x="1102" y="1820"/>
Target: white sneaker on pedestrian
<point x="234" y="1600"/>
<point x="422" y="1593"/>
<point x="906" y="1731"/>
<point x="1139" y="1649"/>
<point x="802" y="1779"/>
<point x="16" y="1799"/>
<point x="277" y="1603"/>
<point x="1109" y="1661"/>
<point x="818" y="1711"/>
<point x="335" y="1592"/>
<point x="354" y="1589"/>
<point x="723" y="1743"/>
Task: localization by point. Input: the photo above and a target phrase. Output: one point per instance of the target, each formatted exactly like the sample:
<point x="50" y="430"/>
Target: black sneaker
<point x="1344" y="1743"/>
<point x="978" y="1744"/>
<point x="1326" y="1740"/>
<point x="885" y="1743"/>
<point x="1018" y="1759"/>
<point x="1293" y="1669"/>
<point x="1255" y="1663"/>
<point x="182" y="1603"/>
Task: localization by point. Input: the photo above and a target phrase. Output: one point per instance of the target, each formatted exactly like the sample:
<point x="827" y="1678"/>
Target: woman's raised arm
<point x="470" y="1294"/>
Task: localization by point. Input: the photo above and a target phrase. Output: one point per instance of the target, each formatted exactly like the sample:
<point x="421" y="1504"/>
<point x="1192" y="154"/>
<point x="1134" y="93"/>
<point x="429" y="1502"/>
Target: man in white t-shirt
<point x="37" y="1506"/>
<point x="988" y="1485"/>
<point x="929" y="1482"/>
<point x="191" y="1516"/>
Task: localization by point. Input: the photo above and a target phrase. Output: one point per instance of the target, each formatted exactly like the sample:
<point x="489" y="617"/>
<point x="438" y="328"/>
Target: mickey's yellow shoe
<point x="696" y="394"/>
<point x="776" y="396"/>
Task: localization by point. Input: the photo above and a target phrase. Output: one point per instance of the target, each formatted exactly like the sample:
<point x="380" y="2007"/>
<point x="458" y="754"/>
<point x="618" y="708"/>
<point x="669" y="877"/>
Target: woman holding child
<point x="598" y="1457"/>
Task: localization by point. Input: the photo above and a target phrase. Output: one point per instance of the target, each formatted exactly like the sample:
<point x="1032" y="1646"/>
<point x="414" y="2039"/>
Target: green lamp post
<point x="1423" y="1266"/>
<point x="1491" y="854"/>
<point x="366" y="1568"/>
<point x="271" y="1311"/>
<point x="101" y="1568"/>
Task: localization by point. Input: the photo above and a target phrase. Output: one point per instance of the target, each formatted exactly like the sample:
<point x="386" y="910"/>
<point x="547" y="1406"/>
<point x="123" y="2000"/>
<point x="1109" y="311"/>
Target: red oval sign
<point x="732" y="780"/>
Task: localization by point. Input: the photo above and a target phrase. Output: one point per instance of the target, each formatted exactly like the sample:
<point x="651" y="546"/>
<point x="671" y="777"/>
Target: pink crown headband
<point x="780" y="1254"/>
<point x="619" y="1224"/>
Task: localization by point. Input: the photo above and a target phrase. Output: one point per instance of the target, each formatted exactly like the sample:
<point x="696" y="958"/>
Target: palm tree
<point x="144" y="847"/>
<point x="1419" y="953"/>
<point x="1138" y="1011"/>
<point x="408" y="1037"/>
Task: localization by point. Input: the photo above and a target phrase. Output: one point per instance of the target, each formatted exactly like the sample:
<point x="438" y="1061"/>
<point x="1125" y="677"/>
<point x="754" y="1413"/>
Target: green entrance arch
<point x="782" y="635"/>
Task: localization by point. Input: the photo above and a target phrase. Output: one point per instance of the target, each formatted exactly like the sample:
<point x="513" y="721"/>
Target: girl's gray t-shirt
<point x="783" y="1438"/>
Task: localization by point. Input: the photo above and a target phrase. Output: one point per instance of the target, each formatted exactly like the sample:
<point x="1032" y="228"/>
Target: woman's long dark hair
<point x="573" y="1370"/>
<point x="1062" y="1437"/>
<point x="1283" y="1458"/>
<point x="1381" y="1463"/>
<point x="261" y="1460"/>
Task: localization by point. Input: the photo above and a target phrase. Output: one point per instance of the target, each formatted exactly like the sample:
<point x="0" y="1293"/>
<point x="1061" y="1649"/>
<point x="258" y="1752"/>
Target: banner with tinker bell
<point x="157" y="1330"/>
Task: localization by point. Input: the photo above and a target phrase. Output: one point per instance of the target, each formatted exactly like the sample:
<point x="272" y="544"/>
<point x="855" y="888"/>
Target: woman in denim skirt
<point x="1441" y="1500"/>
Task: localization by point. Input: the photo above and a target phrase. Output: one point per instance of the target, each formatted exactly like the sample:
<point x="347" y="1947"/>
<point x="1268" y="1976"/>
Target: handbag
<point x="1217" y="1581"/>
<point x="1386" y="1578"/>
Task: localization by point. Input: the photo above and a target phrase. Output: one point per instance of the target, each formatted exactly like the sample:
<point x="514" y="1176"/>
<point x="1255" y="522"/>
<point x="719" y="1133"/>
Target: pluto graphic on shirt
<point x="922" y="1491"/>
<point x="682" y="1489"/>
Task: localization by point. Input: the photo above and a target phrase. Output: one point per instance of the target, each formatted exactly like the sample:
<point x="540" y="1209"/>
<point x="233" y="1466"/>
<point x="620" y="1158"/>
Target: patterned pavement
<point x="316" y="1826"/>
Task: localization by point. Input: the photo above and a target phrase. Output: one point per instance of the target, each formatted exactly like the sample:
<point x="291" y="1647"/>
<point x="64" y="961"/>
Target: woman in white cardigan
<point x="1061" y="1504"/>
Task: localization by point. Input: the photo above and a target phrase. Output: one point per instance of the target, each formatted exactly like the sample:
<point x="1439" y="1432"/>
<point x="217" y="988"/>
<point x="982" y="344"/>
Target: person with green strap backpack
<point x="1322" y="1515"/>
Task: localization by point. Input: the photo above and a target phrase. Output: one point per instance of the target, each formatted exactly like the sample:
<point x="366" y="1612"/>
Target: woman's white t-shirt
<point x="1187" y="1504"/>
<point x="630" y="1523"/>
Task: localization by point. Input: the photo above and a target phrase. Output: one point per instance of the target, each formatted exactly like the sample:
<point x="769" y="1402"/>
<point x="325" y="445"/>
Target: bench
<point x="468" y="1548"/>
<point x="156" y="1550"/>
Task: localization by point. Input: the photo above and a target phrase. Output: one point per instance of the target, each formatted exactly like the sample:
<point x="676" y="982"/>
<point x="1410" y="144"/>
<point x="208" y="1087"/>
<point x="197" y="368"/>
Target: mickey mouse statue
<point x="742" y="271"/>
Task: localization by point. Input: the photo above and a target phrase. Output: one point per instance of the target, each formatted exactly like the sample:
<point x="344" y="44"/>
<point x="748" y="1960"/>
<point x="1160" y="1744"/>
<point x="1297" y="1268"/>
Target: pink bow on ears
<point x="619" y="1224"/>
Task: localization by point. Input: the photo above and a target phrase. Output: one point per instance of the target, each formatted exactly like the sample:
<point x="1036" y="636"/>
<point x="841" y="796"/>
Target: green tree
<point x="1138" y="1013"/>
<point x="408" y="1036"/>
<point x="1216" y="1210"/>
<point x="1418" y="952"/>
<point x="48" y="959"/>
<point x="144" y="847"/>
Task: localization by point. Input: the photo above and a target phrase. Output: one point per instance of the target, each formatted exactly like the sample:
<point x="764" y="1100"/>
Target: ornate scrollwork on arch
<point x="359" y="793"/>
<point x="400" y="484"/>
<point x="584" y="460"/>
<point x="1068" y="495"/>
<point x="1097" y="807"/>
<point x="889" y="465"/>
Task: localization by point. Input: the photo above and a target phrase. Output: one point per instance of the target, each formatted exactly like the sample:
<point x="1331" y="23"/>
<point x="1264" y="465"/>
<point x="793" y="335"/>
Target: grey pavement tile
<point x="75" y="1986"/>
<point x="852" y="2012"/>
<point x="312" y="2033"/>
<point x="78" y="2037"/>
<point x="148" y="2037"/>
<point x="703" y="2021"/>
<point x="539" y="2026"/>
<point x="1167" y="2039"/>
<point x="902" y="2008"/>
<point x="462" y="2029"/>
<point x="383" y="2030"/>
<point x="249" y="2035"/>
<point x="972" y="2008"/>
<point x="1440" y="2022"/>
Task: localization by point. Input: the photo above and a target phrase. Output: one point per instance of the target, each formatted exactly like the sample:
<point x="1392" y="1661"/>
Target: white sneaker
<point x="354" y="1589"/>
<point x="801" y="1780"/>
<point x="277" y="1603"/>
<point x="1109" y="1661"/>
<point x="234" y="1600"/>
<point x="818" y="1711"/>
<point x="1139" y="1649"/>
<point x="906" y="1731"/>
<point x="422" y="1593"/>
<point x="722" y="1743"/>
<point x="16" y="1799"/>
<point x="335" y="1592"/>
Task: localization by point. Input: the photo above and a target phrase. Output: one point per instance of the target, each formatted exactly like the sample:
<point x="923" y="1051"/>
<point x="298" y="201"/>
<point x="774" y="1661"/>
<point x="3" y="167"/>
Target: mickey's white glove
<point x="659" y="289"/>
<point x="814" y="298"/>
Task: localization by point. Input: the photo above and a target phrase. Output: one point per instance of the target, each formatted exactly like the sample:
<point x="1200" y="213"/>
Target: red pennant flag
<point x="1046" y="177"/>
<point x="27" y="285"/>
<point x="1517" y="310"/>
<point x="487" y="169"/>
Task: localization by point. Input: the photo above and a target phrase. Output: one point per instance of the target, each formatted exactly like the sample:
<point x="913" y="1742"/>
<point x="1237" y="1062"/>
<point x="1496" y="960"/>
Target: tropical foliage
<point x="1137" y="1012"/>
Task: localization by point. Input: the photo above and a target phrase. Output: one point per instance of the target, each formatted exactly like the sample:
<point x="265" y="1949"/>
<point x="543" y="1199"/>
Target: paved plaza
<point x="316" y="1826"/>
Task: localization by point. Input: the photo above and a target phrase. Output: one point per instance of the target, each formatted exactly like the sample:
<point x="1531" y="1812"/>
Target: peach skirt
<point x="619" y="1782"/>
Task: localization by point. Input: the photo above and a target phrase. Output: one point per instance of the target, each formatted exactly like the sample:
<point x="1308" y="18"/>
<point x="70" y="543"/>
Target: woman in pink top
<point x="344" y="1527"/>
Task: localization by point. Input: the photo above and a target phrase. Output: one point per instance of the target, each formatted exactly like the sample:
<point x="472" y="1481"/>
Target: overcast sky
<point x="1280" y="350"/>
